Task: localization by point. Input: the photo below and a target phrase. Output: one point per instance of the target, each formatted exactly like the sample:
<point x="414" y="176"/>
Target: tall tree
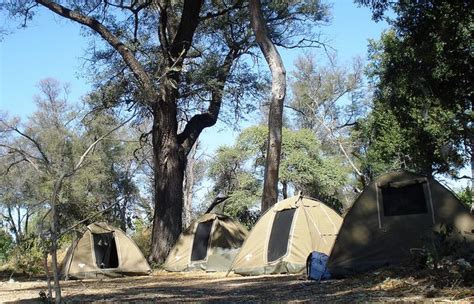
<point x="52" y="145"/>
<point x="329" y="99"/>
<point x="423" y="70"/>
<point x="237" y="171"/>
<point x="177" y="61"/>
<point x="275" y="115"/>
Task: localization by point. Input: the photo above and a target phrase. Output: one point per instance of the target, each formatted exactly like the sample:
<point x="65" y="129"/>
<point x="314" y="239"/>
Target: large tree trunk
<point x="170" y="163"/>
<point x="189" y="180"/>
<point x="470" y="144"/>
<point x="275" y="116"/>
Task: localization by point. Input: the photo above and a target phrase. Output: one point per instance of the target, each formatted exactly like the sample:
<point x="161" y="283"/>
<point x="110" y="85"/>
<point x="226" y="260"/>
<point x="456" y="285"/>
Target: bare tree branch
<point x="199" y="122"/>
<point x="127" y="55"/>
<point x="89" y="149"/>
<point x="216" y="202"/>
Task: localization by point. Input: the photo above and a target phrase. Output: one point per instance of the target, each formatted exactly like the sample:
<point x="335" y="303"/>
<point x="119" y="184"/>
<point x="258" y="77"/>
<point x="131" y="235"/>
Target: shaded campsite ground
<point x="381" y="286"/>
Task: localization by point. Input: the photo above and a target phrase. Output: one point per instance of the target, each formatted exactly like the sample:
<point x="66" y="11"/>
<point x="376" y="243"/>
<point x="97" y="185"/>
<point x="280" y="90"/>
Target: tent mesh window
<point x="201" y="241"/>
<point x="279" y="236"/>
<point x="404" y="200"/>
<point x="105" y="250"/>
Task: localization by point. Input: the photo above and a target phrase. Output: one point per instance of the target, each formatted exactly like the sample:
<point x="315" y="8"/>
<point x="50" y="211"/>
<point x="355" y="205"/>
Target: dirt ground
<point x="201" y="287"/>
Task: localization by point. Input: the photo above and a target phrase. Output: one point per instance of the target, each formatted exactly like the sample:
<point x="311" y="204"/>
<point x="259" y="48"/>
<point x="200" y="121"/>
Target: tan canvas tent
<point x="393" y="217"/>
<point x="285" y="235"/>
<point x="210" y="243"/>
<point x="103" y="251"/>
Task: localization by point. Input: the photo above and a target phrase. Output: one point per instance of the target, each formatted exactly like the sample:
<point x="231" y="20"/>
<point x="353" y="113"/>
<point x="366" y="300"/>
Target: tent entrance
<point x="280" y="234"/>
<point x="201" y="241"/>
<point x="105" y="250"/>
<point x="409" y="199"/>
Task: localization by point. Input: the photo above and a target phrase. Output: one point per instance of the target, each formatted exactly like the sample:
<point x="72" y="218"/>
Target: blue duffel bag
<point x="316" y="266"/>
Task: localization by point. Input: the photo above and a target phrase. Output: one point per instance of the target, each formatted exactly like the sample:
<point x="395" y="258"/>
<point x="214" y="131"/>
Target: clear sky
<point x="52" y="47"/>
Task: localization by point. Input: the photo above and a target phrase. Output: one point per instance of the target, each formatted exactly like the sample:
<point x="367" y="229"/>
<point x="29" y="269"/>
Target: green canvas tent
<point x="103" y="251"/>
<point x="393" y="217"/>
<point x="210" y="243"/>
<point x="283" y="238"/>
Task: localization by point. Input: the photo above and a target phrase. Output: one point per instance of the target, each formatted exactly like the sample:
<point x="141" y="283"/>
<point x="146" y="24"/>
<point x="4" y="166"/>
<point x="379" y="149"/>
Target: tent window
<point x="105" y="250"/>
<point x="201" y="241"/>
<point x="404" y="200"/>
<point x="280" y="234"/>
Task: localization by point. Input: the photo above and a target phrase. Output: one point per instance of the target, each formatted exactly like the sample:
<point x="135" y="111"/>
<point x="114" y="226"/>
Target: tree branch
<point x="187" y="26"/>
<point x="25" y="156"/>
<point x="127" y="55"/>
<point x="199" y="122"/>
<point x="216" y="202"/>
<point x="35" y="143"/>
<point x="87" y="218"/>
<point x="89" y="149"/>
<point x="237" y="5"/>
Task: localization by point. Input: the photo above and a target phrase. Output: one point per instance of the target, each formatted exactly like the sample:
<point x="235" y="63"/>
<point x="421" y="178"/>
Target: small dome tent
<point x="285" y="235"/>
<point x="103" y="251"/>
<point x="394" y="215"/>
<point x="210" y="243"/>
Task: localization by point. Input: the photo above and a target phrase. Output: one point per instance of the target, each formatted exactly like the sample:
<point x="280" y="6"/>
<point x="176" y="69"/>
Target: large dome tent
<point x="103" y="251"/>
<point x="285" y="235"/>
<point x="210" y="243"/>
<point x="393" y="217"/>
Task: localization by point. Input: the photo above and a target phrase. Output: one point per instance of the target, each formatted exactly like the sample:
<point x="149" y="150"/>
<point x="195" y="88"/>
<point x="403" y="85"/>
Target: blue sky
<point x="52" y="47"/>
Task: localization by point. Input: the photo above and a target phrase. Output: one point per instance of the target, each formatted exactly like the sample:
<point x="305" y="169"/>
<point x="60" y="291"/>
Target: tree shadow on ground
<point x="165" y="287"/>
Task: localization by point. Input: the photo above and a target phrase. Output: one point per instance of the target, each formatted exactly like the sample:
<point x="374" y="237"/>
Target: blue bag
<point x="316" y="266"/>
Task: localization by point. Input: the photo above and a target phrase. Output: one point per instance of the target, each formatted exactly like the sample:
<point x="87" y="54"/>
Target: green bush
<point x="465" y="196"/>
<point x="6" y="246"/>
<point x="28" y="257"/>
<point x="142" y="237"/>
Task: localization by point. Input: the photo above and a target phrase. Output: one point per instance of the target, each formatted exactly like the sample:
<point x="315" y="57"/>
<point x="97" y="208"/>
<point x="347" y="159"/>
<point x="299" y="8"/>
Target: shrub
<point x="6" y="246"/>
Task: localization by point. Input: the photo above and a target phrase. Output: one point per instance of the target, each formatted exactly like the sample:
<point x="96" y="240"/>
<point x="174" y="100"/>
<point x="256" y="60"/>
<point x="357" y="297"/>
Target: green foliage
<point x="384" y="144"/>
<point x="465" y="196"/>
<point x="448" y="258"/>
<point x="51" y="143"/>
<point x="328" y="100"/>
<point x="238" y="171"/>
<point x="28" y="257"/>
<point x="6" y="245"/>
<point x="422" y="71"/>
<point x="142" y="236"/>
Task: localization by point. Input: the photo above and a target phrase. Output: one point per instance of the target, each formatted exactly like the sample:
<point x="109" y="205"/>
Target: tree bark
<point x="275" y="116"/>
<point x="13" y="225"/>
<point x="48" y="279"/>
<point x="189" y="180"/>
<point x="170" y="163"/>
<point x="170" y="148"/>
<point x="55" y="236"/>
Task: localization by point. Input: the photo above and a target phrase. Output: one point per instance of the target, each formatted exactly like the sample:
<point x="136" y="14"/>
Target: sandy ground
<point x="201" y="287"/>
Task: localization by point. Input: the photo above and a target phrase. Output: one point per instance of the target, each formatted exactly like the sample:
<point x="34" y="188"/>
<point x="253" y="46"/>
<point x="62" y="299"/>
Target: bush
<point x="447" y="259"/>
<point x="142" y="237"/>
<point x="6" y="246"/>
<point x="28" y="257"/>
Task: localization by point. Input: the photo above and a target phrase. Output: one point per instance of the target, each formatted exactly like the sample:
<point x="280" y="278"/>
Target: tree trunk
<point x="472" y="174"/>
<point x="48" y="279"/>
<point x="54" y="237"/>
<point x="275" y="116"/>
<point x="189" y="180"/>
<point x="13" y="225"/>
<point x="284" y="189"/>
<point x="170" y="163"/>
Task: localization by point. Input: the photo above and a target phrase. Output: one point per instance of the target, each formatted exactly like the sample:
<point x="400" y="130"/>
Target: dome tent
<point x="285" y="235"/>
<point x="210" y="243"/>
<point x="394" y="215"/>
<point x="103" y="251"/>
